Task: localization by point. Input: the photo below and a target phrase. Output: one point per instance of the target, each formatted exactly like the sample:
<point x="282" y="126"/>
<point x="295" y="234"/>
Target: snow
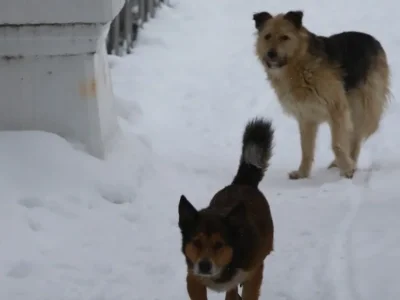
<point x="73" y="227"/>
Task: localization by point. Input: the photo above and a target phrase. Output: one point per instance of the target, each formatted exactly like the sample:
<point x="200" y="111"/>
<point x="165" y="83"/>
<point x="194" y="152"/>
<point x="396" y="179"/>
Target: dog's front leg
<point x="251" y="287"/>
<point x="196" y="290"/>
<point x="308" y="134"/>
<point x="341" y="128"/>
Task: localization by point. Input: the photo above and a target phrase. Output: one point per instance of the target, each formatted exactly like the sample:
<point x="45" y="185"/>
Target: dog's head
<point x="208" y="238"/>
<point x="280" y="38"/>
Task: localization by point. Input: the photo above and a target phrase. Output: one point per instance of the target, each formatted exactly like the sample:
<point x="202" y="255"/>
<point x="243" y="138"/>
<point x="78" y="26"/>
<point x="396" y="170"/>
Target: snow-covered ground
<point x="76" y="228"/>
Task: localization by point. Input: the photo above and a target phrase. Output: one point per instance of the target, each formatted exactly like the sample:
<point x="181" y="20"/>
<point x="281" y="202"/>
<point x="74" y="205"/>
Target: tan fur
<point x="212" y="247"/>
<point x="310" y="89"/>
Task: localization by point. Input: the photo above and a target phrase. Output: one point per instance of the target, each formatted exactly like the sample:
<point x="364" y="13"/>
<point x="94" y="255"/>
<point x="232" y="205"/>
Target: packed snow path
<point x="75" y="228"/>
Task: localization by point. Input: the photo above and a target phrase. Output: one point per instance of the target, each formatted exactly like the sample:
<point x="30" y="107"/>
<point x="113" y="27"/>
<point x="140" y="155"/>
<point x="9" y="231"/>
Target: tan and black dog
<point x="342" y="79"/>
<point x="225" y="244"/>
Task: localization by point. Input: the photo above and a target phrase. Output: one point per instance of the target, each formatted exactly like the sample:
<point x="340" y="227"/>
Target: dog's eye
<point x="267" y="36"/>
<point x="284" y="38"/>
<point x="218" y="245"/>
<point x="197" y="243"/>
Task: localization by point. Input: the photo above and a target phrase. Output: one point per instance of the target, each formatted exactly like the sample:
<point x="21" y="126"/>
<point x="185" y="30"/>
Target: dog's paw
<point x="349" y="170"/>
<point x="348" y="173"/>
<point x="333" y="164"/>
<point x="297" y="175"/>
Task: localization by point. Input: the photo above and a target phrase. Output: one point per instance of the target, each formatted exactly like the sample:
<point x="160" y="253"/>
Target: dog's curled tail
<point x="257" y="147"/>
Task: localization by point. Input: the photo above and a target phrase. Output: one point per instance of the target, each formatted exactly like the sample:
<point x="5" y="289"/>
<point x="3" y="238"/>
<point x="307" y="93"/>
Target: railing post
<point x="152" y="8"/>
<point x="124" y="27"/>
<point x="128" y="29"/>
<point x="110" y="39"/>
<point x="116" y="35"/>
<point x="143" y="11"/>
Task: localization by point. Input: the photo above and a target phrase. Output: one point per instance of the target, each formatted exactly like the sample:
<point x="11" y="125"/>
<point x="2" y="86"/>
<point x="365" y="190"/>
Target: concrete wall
<point x="55" y="77"/>
<point x="58" y="11"/>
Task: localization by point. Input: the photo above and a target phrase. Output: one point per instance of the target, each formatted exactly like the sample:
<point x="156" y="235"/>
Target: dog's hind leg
<point x="341" y="127"/>
<point x="355" y="141"/>
<point x="333" y="164"/>
<point x="355" y="136"/>
<point x="355" y="148"/>
<point x="367" y="105"/>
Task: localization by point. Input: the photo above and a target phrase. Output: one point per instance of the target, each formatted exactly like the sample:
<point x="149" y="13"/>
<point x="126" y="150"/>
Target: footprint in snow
<point x="31" y="202"/>
<point x="34" y="225"/>
<point x="21" y="269"/>
<point x="131" y="217"/>
<point x="117" y="195"/>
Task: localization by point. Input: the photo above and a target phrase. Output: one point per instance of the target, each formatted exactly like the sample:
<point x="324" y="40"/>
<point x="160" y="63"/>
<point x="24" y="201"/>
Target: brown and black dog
<point x="225" y="244"/>
<point x="342" y="79"/>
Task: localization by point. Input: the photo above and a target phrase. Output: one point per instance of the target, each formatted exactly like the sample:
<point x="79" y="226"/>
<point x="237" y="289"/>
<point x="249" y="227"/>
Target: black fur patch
<point x="354" y="52"/>
<point x="260" y="18"/>
<point x="295" y="17"/>
<point x="258" y="135"/>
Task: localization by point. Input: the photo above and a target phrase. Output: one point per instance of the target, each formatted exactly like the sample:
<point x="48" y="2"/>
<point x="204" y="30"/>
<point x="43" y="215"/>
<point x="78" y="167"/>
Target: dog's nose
<point x="272" y="53"/>
<point x="205" y="266"/>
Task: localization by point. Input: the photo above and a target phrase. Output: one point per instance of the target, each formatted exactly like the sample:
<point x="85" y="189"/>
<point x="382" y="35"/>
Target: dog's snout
<point x="272" y="53"/>
<point x="205" y="266"/>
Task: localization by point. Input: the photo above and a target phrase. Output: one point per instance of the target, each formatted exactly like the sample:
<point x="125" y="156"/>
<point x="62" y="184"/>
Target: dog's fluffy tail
<point x="257" y="147"/>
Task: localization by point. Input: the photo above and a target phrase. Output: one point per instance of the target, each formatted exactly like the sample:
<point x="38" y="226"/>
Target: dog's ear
<point x="187" y="212"/>
<point x="237" y="213"/>
<point x="295" y="17"/>
<point x="260" y="18"/>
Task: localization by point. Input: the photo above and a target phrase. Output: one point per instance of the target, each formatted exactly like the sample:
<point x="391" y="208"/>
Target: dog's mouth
<point x="208" y="276"/>
<point x="211" y="271"/>
<point x="275" y="63"/>
<point x="212" y="275"/>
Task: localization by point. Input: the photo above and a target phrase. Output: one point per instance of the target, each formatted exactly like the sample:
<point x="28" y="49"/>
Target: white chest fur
<point x="305" y="109"/>
<point x="303" y="105"/>
<point x="297" y="98"/>
<point x="226" y="286"/>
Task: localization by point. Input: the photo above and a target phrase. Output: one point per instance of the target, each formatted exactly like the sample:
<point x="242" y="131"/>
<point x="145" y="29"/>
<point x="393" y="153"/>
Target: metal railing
<point x="125" y="27"/>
